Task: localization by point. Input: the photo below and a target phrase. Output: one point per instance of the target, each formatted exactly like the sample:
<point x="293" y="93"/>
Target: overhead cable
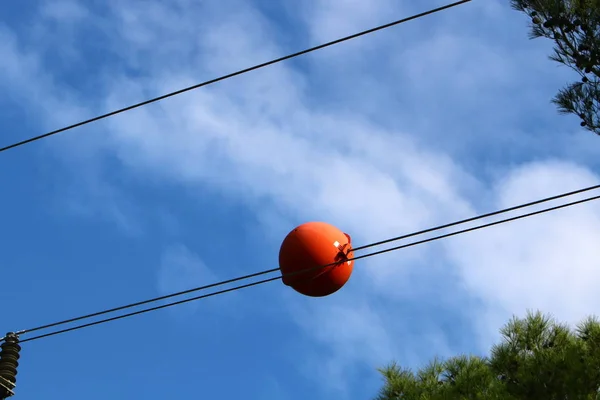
<point x="545" y="210"/>
<point x="257" y="274"/>
<point x="231" y="75"/>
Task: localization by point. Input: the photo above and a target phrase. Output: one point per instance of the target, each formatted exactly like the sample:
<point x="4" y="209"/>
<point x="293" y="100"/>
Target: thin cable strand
<point x="464" y="221"/>
<point x="281" y="276"/>
<point x="131" y="314"/>
<point x="240" y="72"/>
<point x="256" y="274"/>
<point x="155" y="299"/>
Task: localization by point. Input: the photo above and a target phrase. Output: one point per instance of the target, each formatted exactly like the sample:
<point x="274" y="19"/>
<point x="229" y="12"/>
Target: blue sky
<point x="435" y="120"/>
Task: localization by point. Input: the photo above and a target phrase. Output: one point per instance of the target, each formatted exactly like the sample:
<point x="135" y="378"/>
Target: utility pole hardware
<point x="9" y="356"/>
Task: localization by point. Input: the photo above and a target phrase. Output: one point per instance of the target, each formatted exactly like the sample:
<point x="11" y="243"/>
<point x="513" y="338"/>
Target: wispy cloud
<point x="445" y="127"/>
<point x="181" y="269"/>
<point x="546" y="262"/>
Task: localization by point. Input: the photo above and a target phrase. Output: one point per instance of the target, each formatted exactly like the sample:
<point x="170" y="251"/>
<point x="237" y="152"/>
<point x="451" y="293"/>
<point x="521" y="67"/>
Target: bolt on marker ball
<point x="310" y="246"/>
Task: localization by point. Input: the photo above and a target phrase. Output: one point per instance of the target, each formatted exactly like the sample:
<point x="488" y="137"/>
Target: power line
<point x="279" y="277"/>
<point x="188" y="89"/>
<point x="231" y="75"/>
<point x="464" y="221"/>
<point x="257" y="274"/>
<point x="152" y="300"/>
<point x="146" y="310"/>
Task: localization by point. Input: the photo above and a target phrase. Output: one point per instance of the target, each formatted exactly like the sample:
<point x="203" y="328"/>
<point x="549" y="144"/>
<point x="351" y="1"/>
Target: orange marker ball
<point x="310" y="246"/>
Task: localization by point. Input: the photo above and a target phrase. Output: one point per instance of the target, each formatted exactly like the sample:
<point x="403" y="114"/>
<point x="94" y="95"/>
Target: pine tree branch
<point x="574" y="27"/>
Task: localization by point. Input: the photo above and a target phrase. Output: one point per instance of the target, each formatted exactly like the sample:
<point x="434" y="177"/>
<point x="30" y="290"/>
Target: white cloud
<point x="547" y="262"/>
<point x="351" y="336"/>
<point x="266" y="136"/>
<point x="356" y="334"/>
<point x="63" y="10"/>
<point x="99" y="195"/>
<point x="327" y="20"/>
<point x="181" y="269"/>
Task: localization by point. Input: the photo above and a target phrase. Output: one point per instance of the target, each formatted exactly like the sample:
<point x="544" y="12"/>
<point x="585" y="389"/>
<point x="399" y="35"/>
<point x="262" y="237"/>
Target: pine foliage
<point x="573" y="26"/>
<point x="537" y="359"/>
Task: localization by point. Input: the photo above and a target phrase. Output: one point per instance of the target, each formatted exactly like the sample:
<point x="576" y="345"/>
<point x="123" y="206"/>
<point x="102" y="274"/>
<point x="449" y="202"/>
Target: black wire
<point x="131" y="305"/>
<point x="240" y="72"/>
<point x="276" y="269"/>
<point x="479" y="227"/>
<point x="139" y="303"/>
<point x="478" y="217"/>
<point x="281" y="276"/>
<point x="184" y="90"/>
<point x="256" y="274"/>
<point x="149" y="309"/>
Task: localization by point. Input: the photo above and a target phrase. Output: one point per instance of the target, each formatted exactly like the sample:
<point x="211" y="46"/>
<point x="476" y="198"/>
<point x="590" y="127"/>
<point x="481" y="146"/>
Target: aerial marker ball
<point x="310" y="246"/>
